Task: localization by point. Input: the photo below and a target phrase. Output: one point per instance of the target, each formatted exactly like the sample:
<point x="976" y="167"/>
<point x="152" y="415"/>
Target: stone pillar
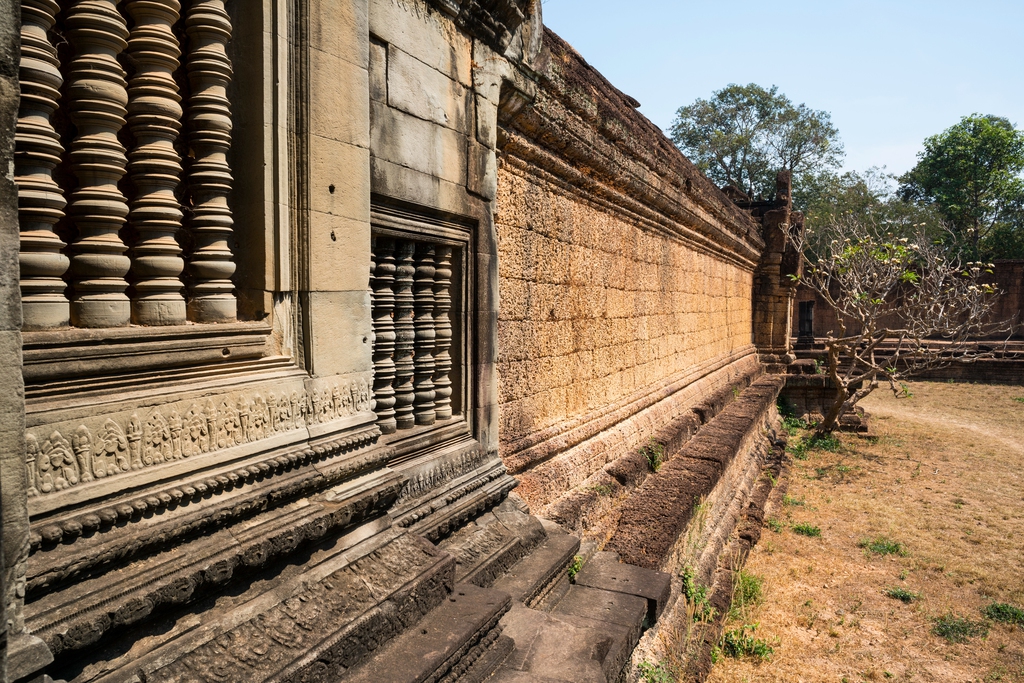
<point x="38" y="150"/>
<point x="382" y="278"/>
<point x="443" y="331"/>
<point x="97" y="100"/>
<point x="423" y="292"/>
<point x="211" y="266"/>
<point x="154" y="116"/>
<point x="774" y="289"/>
<point x="21" y="654"/>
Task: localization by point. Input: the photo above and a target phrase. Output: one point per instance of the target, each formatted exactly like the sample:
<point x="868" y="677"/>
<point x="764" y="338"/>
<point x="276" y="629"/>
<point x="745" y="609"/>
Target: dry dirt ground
<point x="942" y="473"/>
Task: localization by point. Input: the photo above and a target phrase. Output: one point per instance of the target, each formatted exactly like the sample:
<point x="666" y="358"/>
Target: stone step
<point x="529" y="580"/>
<point x="489" y="545"/>
<point x="459" y="639"/>
<point x="604" y="571"/>
<point x="564" y="646"/>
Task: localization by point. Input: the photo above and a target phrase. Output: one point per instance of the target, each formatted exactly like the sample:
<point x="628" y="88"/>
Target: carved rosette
<point x="423" y="293"/>
<point x="211" y="291"/>
<point x="405" y="335"/>
<point x="154" y="116"/>
<point x="384" y="332"/>
<point x="443" y="333"/>
<point x="97" y="105"/>
<point x="37" y="152"/>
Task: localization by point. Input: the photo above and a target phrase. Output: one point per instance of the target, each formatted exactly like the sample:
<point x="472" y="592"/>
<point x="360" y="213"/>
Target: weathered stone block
<point x="339" y="254"/>
<point x="338" y="109"/>
<point x="339" y="179"/>
<point x="341" y="331"/>
<point x="425" y="92"/>
<point x="421" y="145"/>
<point x="424" y="34"/>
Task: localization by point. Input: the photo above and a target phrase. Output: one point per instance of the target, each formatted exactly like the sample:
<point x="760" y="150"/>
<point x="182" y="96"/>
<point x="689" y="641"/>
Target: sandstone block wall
<point x="625" y="281"/>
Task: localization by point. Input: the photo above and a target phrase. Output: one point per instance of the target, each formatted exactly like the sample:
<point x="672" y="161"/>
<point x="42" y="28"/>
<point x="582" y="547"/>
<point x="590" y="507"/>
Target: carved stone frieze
<point x="71" y="456"/>
<point x="276" y="643"/>
<point x="49" y="533"/>
<point x="441" y="473"/>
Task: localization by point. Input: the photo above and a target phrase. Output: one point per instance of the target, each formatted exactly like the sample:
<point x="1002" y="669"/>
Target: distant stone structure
<point x="298" y="293"/>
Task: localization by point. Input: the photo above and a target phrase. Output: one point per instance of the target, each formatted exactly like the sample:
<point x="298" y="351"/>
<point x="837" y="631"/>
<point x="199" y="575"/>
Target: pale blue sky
<point x="891" y="73"/>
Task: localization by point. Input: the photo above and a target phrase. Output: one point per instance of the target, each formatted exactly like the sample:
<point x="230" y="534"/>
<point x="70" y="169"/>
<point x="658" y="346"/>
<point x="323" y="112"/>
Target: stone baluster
<point x="443" y="332"/>
<point x="405" y="335"/>
<point x="154" y="116"/>
<point x="96" y="103"/>
<point x="37" y="152"/>
<point x="423" y="293"/>
<point x="211" y="293"/>
<point x="382" y="282"/>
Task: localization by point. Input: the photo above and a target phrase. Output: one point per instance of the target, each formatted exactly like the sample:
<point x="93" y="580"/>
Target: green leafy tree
<point x="971" y="172"/>
<point x="871" y="197"/>
<point x="745" y="134"/>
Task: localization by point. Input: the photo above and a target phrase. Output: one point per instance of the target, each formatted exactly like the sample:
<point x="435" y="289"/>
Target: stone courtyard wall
<point x="625" y="281"/>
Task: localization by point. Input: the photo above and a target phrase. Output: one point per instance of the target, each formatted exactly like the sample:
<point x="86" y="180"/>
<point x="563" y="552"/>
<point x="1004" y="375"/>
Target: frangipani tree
<point x="903" y="306"/>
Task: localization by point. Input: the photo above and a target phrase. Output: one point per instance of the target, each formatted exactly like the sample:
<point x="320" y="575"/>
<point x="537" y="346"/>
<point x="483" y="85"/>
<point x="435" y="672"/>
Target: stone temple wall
<point x="625" y="281"/>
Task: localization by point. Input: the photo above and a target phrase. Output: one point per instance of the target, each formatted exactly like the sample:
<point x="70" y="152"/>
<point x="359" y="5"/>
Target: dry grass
<point x="942" y="475"/>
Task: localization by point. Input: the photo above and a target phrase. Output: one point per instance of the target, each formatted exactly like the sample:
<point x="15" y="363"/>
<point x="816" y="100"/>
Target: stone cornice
<point x="493" y="21"/>
<point x="601" y="136"/>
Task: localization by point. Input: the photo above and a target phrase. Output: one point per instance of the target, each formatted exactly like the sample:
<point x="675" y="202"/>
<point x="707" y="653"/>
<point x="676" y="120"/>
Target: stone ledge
<point x="657" y="513"/>
<point x="61" y="354"/>
<point x="85" y="612"/>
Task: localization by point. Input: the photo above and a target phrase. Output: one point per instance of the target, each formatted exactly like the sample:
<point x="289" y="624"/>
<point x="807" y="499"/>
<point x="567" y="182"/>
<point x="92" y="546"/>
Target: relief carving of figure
<point x="57" y="467"/>
<point x="81" y="442"/>
<point x="195" y="430"/>
<point x="364" y="396"/>
<point x="115" y="444"/>
<point x="272" y="412"/>
<point x="210" y="442"/>
<point x="346" y="400"/>
<point x="134" y="435"/>
<point x="176" y="428"/>
<point x="258" y="418"/>
<point x="230" y="431"/>
<point x="336" y="402"/>
<point x="158" y="436"/>
<point x="32" y="456"/>
<point x="243" y="416"/>
<point x="296" y="410"/>
<point x="317" y="404"/>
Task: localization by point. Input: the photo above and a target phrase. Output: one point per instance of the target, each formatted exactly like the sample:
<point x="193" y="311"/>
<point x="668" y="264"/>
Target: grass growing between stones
<point x="921" y="550"/>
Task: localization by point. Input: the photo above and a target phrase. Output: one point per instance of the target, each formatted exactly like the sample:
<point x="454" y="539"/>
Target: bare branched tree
<point x="903" y="306"/>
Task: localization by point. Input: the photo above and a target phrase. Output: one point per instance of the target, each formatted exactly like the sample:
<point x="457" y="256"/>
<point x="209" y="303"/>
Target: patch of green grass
<point x="655" y="673"/>
<point x="902" y="594"/>
<point x="575" y="566"/>
<point x="775" y="525"/>
<point x="1019" y="399"/>
<point x="696" y="594"/>
<point x="747" y="591"/>
<point x="736" y="643"/>
<point x="802" y="449"/>
<point x="883" y="546"/>
<point x="790" y="500"/>
<point x="807" y="530"/>
<point x="654" y="452"/>
<point x="601" y="489"/>
<point x="1005" y="613"/>
<point x="793" y="425"/>
<point x="957" y="629"/>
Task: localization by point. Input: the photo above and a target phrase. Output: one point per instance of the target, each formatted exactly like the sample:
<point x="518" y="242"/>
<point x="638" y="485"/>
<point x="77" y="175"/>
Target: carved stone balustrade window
<point x="416" y="278"/>
<point x="121" y="162"/>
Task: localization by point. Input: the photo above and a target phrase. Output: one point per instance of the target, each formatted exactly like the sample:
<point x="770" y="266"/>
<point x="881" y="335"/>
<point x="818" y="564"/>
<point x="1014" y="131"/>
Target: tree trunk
<point x="835" y="411"/>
